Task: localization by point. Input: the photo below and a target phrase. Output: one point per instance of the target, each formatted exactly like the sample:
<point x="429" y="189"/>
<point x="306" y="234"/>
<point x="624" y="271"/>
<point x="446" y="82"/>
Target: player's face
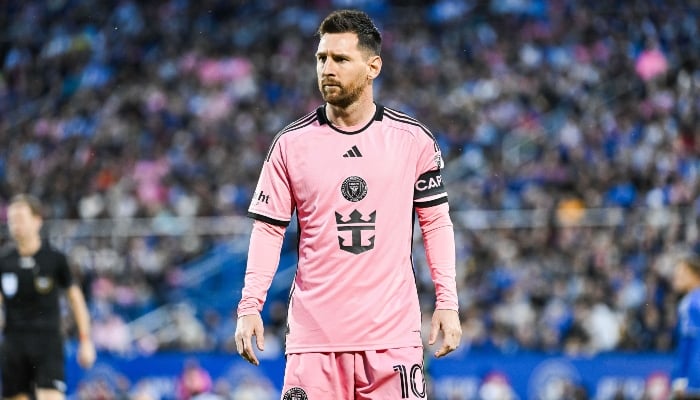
<point x="683" y="278"/>
<point x="21" y="222"/>
<point x="343" y="70"/>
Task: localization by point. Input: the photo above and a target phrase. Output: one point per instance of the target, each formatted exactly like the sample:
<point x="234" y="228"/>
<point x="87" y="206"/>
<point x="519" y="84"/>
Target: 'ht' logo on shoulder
<point x="262" y="197"/>
<point x="356" y="224"/>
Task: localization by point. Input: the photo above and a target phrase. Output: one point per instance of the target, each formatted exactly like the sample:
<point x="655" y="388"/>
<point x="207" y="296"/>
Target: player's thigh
<point x="49" y="364"/>
<point x="16" y="375"/>
<point x="49" y="394"/>
<point x="390" y="374"/>
<point x="317" y="376"/>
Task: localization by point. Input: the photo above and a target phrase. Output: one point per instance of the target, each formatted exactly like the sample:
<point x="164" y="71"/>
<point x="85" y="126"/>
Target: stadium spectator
<point x="194" y="381"/>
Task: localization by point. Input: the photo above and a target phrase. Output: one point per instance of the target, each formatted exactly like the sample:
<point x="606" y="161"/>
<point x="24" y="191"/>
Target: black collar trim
<point x="322" y="119"/>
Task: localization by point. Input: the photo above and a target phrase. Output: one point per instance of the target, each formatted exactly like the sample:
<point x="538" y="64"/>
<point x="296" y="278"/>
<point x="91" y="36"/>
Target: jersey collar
<point x="323" y="119"/>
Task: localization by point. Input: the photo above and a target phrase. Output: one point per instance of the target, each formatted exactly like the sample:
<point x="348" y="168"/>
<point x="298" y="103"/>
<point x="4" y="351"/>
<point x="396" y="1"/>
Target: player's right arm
<point x="263" y="258"/>
<point x="271" y="207"/>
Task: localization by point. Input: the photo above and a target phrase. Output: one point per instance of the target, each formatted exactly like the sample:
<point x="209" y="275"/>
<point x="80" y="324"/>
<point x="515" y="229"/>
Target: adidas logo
<point x="353" y="152"/>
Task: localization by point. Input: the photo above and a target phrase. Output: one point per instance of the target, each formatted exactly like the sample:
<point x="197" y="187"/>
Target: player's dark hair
<point x="357" y="22"/>
<point x="32" y="202"/>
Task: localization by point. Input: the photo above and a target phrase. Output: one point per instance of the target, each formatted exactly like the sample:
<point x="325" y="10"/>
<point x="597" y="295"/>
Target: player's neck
<point x="357" y="113"/>
<point x="28" y="246"/>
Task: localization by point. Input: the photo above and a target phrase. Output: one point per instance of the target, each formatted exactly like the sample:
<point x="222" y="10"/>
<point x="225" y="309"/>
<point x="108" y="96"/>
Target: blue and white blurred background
<point x="570" y="130"/>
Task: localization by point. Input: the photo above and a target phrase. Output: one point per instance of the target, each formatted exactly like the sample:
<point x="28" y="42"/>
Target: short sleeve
<point x="272" y="199"/>
<point x="64" y="276"/>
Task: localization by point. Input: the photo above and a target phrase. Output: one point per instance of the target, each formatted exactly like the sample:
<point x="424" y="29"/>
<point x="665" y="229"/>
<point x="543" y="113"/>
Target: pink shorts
<point x="390" y="374"/>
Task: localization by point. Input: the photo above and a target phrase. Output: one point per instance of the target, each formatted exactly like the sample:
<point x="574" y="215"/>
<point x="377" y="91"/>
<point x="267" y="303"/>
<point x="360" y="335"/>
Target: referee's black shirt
<point x="31" y="287"/>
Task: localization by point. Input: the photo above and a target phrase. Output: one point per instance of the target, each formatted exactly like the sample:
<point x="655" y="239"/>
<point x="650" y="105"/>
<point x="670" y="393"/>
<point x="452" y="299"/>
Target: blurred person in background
<point x="686" y="377"/>
<point x="32" y="276"/>
<point x="193" y="381"/>
<point x="356" y="173"/>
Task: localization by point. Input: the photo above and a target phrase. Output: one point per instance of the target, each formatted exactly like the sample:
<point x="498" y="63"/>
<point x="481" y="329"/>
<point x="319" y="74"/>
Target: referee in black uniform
<point x="32" y="276"/>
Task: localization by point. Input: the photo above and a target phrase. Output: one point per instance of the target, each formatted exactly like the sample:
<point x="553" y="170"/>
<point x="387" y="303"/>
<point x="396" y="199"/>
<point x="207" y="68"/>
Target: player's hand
<point x="247" y="327"/>
<point x="86" y="354"/>
<point x="446" y="321"/>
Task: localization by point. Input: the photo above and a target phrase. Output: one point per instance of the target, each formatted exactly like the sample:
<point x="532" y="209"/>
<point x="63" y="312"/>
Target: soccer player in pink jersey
<point x="356" y="173"/>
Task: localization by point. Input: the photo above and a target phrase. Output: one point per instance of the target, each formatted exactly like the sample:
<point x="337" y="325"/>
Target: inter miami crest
<point x="295" y="393"/>
<point x="354" y="189"/>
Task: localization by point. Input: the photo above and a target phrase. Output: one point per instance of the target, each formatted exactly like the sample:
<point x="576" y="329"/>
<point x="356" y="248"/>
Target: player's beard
<point x="342" y="96"/>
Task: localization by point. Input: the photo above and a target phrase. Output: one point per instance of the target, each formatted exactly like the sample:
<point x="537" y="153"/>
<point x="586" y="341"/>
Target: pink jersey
<point x="354" y="193"/>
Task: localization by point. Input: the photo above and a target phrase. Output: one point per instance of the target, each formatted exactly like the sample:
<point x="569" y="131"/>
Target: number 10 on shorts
<point x="413" y="380"/>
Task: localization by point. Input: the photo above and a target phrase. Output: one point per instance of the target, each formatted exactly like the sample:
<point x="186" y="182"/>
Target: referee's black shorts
<point x="32" y="361"/>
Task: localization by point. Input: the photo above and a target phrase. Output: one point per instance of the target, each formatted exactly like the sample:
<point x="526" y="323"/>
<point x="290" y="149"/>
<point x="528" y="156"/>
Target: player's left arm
<point x="438" y="239"/>
<point x="81" y="315"/>
<point x="430" y="203"/>
<point x="86" y="349"/>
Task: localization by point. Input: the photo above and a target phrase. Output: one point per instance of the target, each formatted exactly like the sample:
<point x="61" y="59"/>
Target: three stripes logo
<point x="353" y="152"/>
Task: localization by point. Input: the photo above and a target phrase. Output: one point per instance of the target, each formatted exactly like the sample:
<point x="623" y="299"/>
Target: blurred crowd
<point x="125" y="109"/>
